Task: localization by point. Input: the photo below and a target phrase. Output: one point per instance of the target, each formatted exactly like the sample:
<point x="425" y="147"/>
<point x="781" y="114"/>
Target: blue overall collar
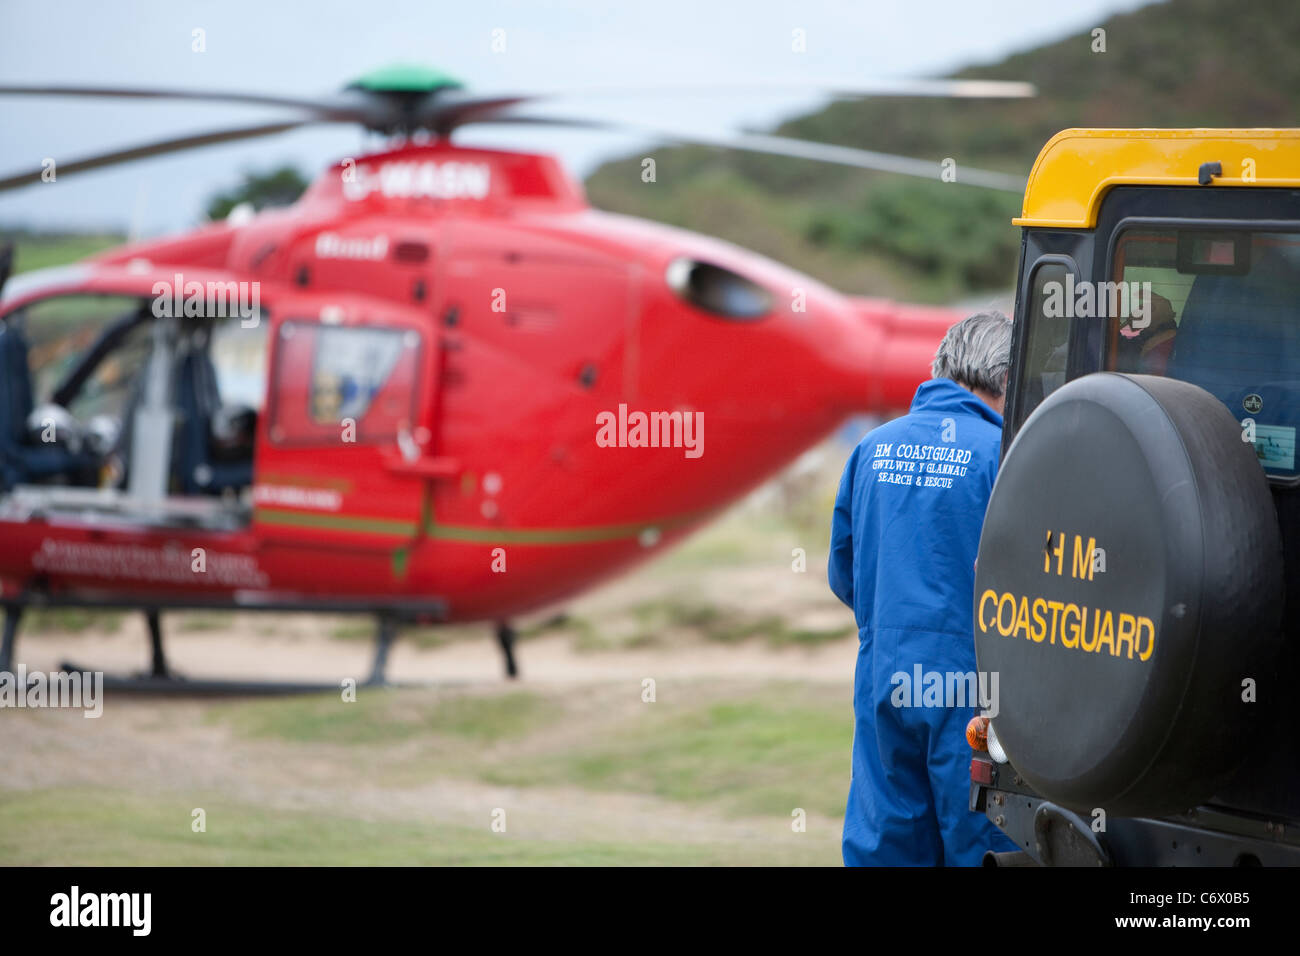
<point x="945" y="395"/>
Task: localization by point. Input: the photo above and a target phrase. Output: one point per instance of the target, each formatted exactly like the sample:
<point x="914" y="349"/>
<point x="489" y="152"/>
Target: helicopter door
<point x="345" y="457"/>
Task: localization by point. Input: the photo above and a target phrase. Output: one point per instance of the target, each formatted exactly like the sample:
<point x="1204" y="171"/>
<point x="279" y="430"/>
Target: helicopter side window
<point x="239" y="360"/>
<point x="355" y="382"/>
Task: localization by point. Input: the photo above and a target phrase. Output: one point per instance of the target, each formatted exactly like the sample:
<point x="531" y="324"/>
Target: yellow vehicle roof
<point x="1078" y="166"/>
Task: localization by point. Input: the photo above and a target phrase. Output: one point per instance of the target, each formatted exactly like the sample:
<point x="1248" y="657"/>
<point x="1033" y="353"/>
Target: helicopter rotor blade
<point x="853" y="90"/>
<point x="160" y="148"/>
<point x="439" y="110"/>
<point x="452" y="108"/>
<point x="772" y="145"/>
<point x="852" y="156"/>
<point x="341" y="106"/>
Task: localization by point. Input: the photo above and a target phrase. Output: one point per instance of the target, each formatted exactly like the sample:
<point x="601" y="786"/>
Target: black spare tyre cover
<point x="1128" y="595"/>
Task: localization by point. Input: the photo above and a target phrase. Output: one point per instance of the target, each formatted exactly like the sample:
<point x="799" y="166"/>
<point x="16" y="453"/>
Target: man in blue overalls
<point x="904" y="538"/>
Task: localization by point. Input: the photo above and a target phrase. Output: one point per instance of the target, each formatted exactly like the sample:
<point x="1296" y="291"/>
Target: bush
<point x="942" y="230"/>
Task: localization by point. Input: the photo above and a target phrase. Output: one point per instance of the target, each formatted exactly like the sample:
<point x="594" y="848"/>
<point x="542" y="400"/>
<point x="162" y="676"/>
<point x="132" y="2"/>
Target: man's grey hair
<point x="976" y="353"/>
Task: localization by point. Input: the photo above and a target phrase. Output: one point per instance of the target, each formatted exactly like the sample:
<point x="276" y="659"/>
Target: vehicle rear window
<point x="1224" y="311"/>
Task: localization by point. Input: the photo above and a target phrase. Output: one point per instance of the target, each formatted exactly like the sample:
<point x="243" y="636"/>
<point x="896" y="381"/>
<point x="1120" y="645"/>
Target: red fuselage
<point x="480" y="475"/>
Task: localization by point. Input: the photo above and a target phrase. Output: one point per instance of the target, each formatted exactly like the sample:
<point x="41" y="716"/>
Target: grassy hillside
<point x="36" y="250"/>
<point x="1180" y="63"/>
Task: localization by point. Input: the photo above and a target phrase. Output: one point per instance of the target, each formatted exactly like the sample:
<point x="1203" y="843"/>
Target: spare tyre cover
<point x="1128" y="594"/>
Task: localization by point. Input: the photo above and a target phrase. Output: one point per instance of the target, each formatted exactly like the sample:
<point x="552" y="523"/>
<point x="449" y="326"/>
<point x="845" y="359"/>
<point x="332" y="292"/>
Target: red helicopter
<point x="440" y="387"/>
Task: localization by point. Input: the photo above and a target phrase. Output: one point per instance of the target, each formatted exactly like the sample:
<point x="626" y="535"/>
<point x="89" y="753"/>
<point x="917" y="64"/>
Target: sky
<point x="291" y="47"/>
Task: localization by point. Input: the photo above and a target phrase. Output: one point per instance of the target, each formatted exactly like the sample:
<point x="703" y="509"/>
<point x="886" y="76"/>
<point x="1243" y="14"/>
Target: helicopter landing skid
<point x="172" y="684"/>
<point x="161" y="679"/>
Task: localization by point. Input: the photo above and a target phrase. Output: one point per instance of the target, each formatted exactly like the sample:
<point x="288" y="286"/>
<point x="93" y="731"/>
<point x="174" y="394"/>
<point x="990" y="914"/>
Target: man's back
<point x="909" y="510"/>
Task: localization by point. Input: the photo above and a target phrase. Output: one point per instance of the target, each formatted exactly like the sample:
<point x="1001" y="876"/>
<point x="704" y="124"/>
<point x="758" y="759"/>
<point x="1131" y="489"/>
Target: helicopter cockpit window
<point x="69" y="363"/>
<point x="358" y="382"/>
<point x="1225" y="315"/>
<point x="107" y="390"/>
<point x="59" y="331"/>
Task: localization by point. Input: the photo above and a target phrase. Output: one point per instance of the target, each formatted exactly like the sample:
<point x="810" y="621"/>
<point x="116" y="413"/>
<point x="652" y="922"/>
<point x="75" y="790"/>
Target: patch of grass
<point x="204" y="622"/>
<point x="808" y="637"/>
<point x="317" y="719"/>
<point x="734" y="628"/>
<point x="710" y="550"/>
<point x="424" y="637"/>
<point x="380" y="716"/>
<point x="723" y="626"/>
<point x="550" y="625"/>
<point x="494" y="717"/>
<point x="353" y="630"/>
<point x="742" y="536"/>
<point x="83" y="828"/>
<point x="427" y="638"/>
<point x="71" y="620"/>
<point x="39" y="251"/>
<point x="765" y="753"/>
<point x="588" y="637"/>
